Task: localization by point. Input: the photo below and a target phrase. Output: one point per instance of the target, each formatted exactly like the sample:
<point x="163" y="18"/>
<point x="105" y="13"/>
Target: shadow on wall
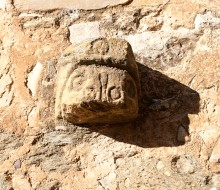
<point x="163" y="113"/>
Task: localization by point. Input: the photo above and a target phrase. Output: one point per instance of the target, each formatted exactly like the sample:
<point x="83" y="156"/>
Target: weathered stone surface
<point x="97" y="82"/>
<point x="33" y="79"/>
<point x="82" y="31"/>
<point x="20" y="182"/>
<point x="33" y="118"/>
<point x="4" y="59"/>
<point x="65" y="4"/>
<point x="176" y="45"/>
<point x="184" y="164"/>
<point x="215" y="156"/>
<point x="4" y="183"/>
<point x="163" y="48"/>
<point x="3" y="4"/>
<point x="6" y="81"/>
<point x="206" y="20"/>
<point x="6" y="94"/>
<point x="216" y="182"/>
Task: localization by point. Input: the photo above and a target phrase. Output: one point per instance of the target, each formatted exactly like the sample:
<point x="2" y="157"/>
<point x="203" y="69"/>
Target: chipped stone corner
<point x="34" y="79"/>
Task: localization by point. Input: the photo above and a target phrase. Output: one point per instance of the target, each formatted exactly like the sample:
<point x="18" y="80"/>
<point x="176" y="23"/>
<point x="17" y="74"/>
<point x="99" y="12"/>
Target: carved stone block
<point x="97" y="82"/>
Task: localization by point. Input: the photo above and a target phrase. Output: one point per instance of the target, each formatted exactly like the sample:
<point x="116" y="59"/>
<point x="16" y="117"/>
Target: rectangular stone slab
<point x="79" y="32"/>
<point x="65" y="4"/>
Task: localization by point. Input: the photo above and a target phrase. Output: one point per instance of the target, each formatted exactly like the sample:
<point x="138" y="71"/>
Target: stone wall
<point x="174" y="143"/>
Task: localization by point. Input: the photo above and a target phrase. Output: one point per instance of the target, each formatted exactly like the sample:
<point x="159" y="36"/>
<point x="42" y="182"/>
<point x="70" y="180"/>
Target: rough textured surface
<point x="83" y="31"/>
<point x="97" y="82"/>
<point x="174" y="143"/>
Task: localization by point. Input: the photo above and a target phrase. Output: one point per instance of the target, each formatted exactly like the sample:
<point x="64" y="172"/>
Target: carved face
<point x="98" y="92"/>
<point x="99" y="84"/>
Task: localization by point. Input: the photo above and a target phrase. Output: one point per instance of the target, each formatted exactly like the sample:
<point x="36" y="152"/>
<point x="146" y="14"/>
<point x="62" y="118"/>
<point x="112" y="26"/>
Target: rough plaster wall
<point x="174" y="144"/>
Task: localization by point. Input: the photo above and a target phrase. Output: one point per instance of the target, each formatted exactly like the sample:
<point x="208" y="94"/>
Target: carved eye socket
<point x="130" y="88"/>
<point x="75" y="82"/>
<point x="114" y="93"/>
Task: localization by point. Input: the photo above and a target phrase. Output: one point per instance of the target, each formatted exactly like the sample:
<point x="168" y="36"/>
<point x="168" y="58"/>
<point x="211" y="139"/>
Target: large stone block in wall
<point x="2" y="4"/>
<point x="97" y="82"/>
<point x="65" y="4"/>
<point x="82" y="31"/>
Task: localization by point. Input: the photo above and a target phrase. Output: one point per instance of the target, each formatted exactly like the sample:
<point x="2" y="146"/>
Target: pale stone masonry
<point x="66" y="4"/>
<point x="83" y="31"/>
<point x="171" y="143"/>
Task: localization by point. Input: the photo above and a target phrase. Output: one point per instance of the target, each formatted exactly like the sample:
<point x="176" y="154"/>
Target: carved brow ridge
<point x="108" y="62"/>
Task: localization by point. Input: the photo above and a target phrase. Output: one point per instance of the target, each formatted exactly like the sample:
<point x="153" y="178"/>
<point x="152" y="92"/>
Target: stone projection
<point x="68" y="104"/>
<point x="97" y="82"/>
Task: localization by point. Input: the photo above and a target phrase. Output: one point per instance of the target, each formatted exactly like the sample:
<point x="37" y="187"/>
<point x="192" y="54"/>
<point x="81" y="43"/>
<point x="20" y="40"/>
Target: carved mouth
<point x="95" y="106"/>
<point x="99" y="84"/>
